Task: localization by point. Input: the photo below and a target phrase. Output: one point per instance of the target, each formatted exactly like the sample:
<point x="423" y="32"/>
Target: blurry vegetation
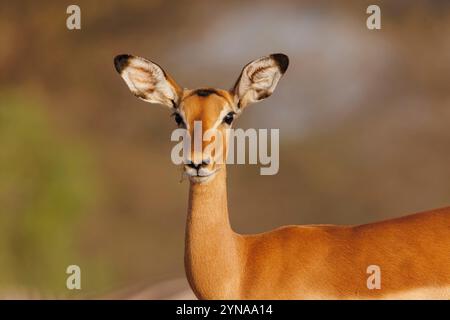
<point x="47" y="185"/>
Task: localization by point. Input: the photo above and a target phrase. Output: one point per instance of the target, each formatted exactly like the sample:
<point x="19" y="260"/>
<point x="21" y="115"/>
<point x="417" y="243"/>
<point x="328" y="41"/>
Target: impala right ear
<point x="259" y="79"/>
<point x="147" y="80"/>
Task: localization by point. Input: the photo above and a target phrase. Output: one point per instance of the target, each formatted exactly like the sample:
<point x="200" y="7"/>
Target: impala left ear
<point x="147" y="80"/>
<point x="259" y="78"/>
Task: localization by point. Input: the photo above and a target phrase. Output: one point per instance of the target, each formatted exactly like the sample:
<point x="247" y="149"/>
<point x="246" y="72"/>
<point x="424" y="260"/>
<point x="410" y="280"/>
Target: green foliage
<point x="46" y="185"/>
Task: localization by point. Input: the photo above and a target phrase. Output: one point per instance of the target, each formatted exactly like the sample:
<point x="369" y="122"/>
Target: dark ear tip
<point x="121" y="62"/>
<point x="282" y="60"/>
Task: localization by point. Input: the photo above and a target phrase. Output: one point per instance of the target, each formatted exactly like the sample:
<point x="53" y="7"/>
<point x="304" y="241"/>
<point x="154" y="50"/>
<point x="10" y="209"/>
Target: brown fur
<point x="307" y="262"/>
<point x="293" y="262"/>
<point x="310" y="262"/>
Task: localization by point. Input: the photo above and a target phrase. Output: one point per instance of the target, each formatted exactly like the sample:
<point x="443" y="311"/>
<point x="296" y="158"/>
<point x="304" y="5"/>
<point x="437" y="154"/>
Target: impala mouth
<point x="196" y="176"/>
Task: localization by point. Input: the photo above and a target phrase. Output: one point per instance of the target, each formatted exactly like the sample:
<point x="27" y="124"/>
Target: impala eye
<point x="228" y="119"/>
<point x="178" y="119"/>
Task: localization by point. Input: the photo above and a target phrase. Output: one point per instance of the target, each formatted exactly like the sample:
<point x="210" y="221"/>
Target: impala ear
<point x="147" y="80"/>
<point x="259" y="78"/>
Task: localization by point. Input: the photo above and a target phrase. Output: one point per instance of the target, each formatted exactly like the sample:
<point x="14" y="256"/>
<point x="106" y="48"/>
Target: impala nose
<point x="197" y="166"/>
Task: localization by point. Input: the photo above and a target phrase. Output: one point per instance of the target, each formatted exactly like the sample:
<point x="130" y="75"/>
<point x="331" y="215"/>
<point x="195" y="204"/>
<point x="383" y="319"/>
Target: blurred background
<point x="85" y="170"/>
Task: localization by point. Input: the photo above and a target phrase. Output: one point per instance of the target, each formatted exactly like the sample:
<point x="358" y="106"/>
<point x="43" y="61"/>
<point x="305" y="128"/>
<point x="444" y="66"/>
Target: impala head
<point x="214" y="109"/>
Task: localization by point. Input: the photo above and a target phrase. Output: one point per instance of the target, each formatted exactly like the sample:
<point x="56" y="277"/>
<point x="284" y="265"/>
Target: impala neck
<point x="211" y="253"/>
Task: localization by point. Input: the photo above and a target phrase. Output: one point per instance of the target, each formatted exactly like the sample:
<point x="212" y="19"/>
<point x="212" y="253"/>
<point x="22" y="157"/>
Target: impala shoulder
<point x="298" y="233"/>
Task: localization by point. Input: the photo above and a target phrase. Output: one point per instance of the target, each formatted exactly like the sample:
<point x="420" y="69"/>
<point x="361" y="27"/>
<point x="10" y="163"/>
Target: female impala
<point x="292" y="262"/>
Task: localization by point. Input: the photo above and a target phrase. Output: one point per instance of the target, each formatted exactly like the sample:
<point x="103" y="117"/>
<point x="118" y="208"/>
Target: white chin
<point x="200" y="179"/>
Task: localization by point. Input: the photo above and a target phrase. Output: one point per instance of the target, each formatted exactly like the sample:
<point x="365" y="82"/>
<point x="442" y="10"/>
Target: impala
<point x="291" y="262"/>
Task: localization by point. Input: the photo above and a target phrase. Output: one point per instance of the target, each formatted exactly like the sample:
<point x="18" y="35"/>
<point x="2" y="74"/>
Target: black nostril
<point x="193" y="165"/>
<point x="197" y="166"/>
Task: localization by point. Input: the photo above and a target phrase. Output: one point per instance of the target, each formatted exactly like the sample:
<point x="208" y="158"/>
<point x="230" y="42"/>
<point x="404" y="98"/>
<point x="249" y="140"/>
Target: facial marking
<point x="208" y="107"/>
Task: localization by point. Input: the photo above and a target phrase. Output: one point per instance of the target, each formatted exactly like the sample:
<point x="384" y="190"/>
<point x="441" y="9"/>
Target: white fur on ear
<point x="259" y="78"/>
<point x="147" y="80"/>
